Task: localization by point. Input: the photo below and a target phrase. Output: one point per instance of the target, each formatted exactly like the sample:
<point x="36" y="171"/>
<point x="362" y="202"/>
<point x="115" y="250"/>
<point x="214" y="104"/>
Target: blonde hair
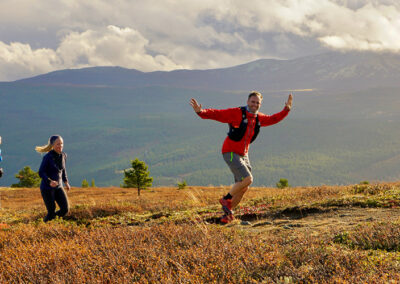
<point x="49" y="146"/>
<point x="44" y="148"/>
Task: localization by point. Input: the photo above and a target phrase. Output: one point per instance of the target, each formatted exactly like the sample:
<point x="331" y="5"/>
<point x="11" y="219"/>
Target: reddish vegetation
<point x="171" y="242"/>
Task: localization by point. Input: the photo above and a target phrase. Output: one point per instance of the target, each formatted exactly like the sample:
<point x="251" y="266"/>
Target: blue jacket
<point x="49" y="170"/>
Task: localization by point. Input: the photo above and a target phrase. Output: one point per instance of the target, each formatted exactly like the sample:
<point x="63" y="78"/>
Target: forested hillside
<point x="330" y="136"/>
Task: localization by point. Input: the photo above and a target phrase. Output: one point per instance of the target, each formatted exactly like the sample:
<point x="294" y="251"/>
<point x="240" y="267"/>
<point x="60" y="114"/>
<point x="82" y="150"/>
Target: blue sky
<point x="45" y="35"/>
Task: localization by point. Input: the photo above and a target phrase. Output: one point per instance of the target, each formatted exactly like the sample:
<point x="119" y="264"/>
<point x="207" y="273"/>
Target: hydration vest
<point x="236" y="134"/>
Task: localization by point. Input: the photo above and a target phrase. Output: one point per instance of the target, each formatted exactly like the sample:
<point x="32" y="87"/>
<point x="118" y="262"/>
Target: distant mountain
<point x="329" y="71"/>
<point x="344" y="126"/>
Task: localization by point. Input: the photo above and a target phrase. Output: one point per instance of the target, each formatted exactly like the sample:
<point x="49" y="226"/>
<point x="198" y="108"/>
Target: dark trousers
<point x="50" y="197"/>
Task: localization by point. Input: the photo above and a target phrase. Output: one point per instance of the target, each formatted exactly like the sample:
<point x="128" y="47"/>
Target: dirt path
<point x="316" y="223"/>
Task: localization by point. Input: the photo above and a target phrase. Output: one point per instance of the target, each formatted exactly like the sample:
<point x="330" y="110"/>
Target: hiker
<point x="244" y="125"/>
<point x="53" y="173"/>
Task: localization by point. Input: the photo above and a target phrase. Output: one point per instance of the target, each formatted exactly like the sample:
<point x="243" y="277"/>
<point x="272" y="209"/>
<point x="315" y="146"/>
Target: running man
<point x="244" y="125"/>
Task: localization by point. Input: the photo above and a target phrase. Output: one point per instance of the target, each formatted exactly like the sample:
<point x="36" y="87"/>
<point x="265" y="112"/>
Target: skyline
<point x="44" y="36"/>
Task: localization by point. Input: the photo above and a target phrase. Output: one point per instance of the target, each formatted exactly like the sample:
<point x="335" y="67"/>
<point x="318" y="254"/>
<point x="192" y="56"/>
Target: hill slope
<point x="335" y="134"/>
<point x="302" y="235"/>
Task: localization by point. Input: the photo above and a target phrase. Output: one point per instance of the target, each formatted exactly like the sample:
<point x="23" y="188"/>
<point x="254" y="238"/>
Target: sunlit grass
<point x="112" y="235"/>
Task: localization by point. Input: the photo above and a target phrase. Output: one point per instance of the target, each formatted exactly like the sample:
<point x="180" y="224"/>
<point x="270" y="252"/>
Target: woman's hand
<point x="53" y="183"/>
<point x="67" y="186"/>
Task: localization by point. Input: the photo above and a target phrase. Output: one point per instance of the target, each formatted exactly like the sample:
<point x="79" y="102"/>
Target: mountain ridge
<point x="327" y="71"/>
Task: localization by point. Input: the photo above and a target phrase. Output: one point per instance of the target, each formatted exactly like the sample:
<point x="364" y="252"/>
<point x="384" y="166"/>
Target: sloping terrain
<point x="343" y="128"/>
<point x="310" y="234"/>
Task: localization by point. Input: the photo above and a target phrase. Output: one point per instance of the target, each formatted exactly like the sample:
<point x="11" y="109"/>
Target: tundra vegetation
<point x="325" y="234"/>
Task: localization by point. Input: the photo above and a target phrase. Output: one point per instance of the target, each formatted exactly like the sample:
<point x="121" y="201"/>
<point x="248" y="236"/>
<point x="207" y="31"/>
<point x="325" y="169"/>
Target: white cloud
<point x="40" y="36"/>
<point x="112" y="46"/>
<point x="18" y="60"/>
<point x="352" y="25"/>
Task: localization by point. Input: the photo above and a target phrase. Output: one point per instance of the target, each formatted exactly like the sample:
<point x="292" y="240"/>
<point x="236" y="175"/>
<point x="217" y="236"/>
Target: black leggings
<point x="50" y="197"/>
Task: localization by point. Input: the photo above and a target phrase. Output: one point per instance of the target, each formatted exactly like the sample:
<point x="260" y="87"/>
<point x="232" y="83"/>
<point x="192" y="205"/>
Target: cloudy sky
<point x="39" y="36"/>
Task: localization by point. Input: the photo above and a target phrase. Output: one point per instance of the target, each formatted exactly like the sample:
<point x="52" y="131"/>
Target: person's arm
<point x="230" y="115"/>
<point x="43" y="169"/>
<point x="42" y="172"/>
<point x="64" y="173"/>
<point x="266" y="120"/>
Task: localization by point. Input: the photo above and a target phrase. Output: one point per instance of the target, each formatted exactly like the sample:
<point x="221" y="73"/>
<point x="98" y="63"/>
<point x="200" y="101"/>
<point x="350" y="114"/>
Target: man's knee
<point x="248" y="180"/>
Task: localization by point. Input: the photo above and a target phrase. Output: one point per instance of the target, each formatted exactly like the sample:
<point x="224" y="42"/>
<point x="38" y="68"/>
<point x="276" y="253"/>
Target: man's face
<point x="254" y="103"/>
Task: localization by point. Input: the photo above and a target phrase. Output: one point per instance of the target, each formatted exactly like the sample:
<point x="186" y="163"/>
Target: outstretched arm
<point x="288" y="104"/>
<point x="195" y="105"/>
<point x="266" y="120"/>
<point x="222" y="115"/>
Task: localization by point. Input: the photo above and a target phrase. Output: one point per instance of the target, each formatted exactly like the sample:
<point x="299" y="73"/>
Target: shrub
<point x="27" y="178"/>
<point x="283" y="183"/>
<point x="182" y="185"/>
<point x="85" y="183"/>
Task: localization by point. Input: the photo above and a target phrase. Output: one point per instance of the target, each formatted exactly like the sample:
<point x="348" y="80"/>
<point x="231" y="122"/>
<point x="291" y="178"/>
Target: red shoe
<point x="227" y="219"/>
<point x="226" y="206"/>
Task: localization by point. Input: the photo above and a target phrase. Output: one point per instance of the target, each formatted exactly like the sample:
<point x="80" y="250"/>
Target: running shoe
<point x="226" y="206"/>
<point x="227" y="219"/>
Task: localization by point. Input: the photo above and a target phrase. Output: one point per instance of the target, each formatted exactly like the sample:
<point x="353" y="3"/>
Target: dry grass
<point x="112" y="236"/>
<point x="59" y="253"/>
<point x="164" y="198"/>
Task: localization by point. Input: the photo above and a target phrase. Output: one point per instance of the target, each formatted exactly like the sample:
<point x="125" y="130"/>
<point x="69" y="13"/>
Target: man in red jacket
<point x="244" y="125"/>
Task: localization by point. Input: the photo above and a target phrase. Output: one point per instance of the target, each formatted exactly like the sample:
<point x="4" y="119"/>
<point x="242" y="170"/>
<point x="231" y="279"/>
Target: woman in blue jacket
<point x="53" y="173"/>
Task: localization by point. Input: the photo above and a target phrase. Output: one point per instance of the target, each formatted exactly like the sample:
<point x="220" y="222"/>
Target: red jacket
<point x="234" y="116"/>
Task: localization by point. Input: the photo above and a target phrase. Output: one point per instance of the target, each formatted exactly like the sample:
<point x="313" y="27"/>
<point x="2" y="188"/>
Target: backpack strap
<point x="243" y="108"/>
<point x="256" y="129"/>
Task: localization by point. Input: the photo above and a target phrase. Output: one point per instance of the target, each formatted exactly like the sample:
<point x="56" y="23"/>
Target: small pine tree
<point x="92" y="184"/>
<point x="182" y="185"/>
<point x="283" y="183"/>
<point x="137" y="176"/>
<point x="27" y="178"/>
<point x="85" y="183"/>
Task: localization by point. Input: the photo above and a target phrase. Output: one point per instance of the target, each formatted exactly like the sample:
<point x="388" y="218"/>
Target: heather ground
<point x="327" y="234"/>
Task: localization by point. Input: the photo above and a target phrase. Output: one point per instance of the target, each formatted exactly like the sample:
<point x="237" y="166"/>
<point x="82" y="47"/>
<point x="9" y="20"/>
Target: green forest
<point x="328" y="138"/>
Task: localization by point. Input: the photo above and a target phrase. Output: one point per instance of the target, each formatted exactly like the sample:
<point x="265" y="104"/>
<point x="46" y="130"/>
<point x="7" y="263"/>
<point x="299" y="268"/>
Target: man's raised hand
<point x="196" y="107"/>
<point x="288" y="104"/>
